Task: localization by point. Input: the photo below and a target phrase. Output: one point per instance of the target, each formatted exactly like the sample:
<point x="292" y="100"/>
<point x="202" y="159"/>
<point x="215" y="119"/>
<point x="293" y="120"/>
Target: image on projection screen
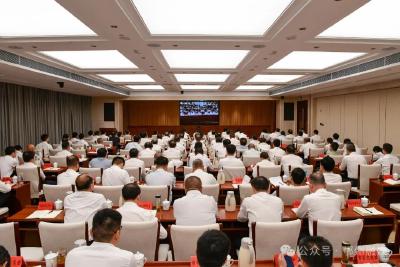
<point x="199" y="112"/>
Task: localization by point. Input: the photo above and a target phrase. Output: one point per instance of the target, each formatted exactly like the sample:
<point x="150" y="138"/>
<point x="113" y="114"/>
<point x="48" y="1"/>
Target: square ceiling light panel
<point x="29" y="18"/>
<point x="254" y="87"/>
<point x="199" y="87"/>
<point x="377" y="19"/>
<point x="310" y="60"/>
<point x="210" y="17"/>
<point x="207" y="59"/>
<point x="273" y="78"/>
<point x="127" y="78"/>
<point x="92" y="59"/>
<point x="192" y="78"/>
<point x="146" y="87"/>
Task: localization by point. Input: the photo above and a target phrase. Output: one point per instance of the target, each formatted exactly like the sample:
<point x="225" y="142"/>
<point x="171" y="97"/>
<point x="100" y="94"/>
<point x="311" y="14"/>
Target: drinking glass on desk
<point x="62" y="252"/>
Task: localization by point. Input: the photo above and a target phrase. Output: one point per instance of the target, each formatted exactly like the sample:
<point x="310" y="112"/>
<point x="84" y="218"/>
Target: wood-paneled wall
<point x="248" y="115"/>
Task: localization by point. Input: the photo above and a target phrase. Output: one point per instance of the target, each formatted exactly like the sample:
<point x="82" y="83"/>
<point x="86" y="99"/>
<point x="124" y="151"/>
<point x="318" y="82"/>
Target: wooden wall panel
<point x="247" y="113"/>
<point x="155" y="113"/>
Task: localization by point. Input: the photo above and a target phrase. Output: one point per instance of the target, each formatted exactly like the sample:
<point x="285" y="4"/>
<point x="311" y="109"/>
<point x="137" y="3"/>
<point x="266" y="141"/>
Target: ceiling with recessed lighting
<point x="155" y="47"/>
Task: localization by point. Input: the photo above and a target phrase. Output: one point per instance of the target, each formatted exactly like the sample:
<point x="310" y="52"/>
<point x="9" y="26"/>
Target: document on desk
<point x="392" y="182"/>
<point x="277" y="181"/>
<point x="44" y="214"/>
<point x="367" y="211"/>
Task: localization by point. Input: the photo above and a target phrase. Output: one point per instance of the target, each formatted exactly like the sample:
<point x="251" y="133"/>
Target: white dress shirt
<point x="264" y="147"/>
<point x="292" y="160"/>
<point x="172" y="153"/>
<point x="320" y="205"/>
<point x="206" y="161"/>
<point x="276" y="153"/>
<point x="100" y="254"/>
<point x="7" y="165"/>
<point x="67" y="178"/>
<point x="230" y="161"/>
<point x="81" y="206"/>
<point x="351" y="162"/>
<point x="4" y="188"/>
<point x="195" y="209"/>
<point x="386" y="161"/>
<point x="251" y="153"/>
<point x="316" y="138"/>
<point x="44" y="147"/>
<point x="156" y="148"/>
<point x="332" y="178"/>
<point x="263" y="163"/>
<point x="298" y="139"/>
<point x="205" y="177"/>
<point x="64" y="153"/>
<point x="131" y="145"/>
<point x="274" y="135"/>
<point x="30" y="165"/>
<point x="160" y="177"/>
<point x="261" y="207"/>
<point x="131" y="212"/>
<point x="135" y="162"/>
<point x="147" y="153"/>
<point x="305" y="148"/>
<point x="115" y="176"/>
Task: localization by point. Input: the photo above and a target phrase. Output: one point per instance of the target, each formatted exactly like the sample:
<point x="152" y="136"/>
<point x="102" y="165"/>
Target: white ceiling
<point x="233" y="43"/>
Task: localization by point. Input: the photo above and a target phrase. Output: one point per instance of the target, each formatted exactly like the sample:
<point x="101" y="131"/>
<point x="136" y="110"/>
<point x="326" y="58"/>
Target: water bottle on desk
<point x="247" y="256"/>
<point x="230" y="201"/>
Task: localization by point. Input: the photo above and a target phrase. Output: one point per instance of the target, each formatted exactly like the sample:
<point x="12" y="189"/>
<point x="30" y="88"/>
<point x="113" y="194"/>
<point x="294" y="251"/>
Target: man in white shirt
<point x="263" y="163"/>
<point x="65" y="152"/>
<point x="69" y="176"/>
<point x="81" y="205"/>
<point x="305" y="148"/>
<point x="299" y="139"/>
<point x="320" y="204"/>
<point x="116" y="175"/>
<point x="291" y="159"/>
<point x="130" y="210"/>
<point x="102" y="252"/>
<point x="230" y="159"/>
<point x="156" y="147"/>
<point x="44" y="147"/>
<point x="316" y="138"/>
<point x="199" y="155"/>
<point x="133" y="160"/>
<point x="195" y="209"/>
<point x="218" y="145"/>
<point x="221" y="153"/>
<point x="213" y="248"/>
<point x="101" y="161"/>
<point x="172" y="152"/>
<point x="290" y="135"/>
<point x="261" y="206"/>
<point x="74" y="138"/>
<point x="81" y="141"/>
<point x="134" y="144"/>
<point x="335" y="137"/>
<point x="243" y="146"/>
<point x="275" y="134"/>
<point x="388" y="159"/>
<point x="327" y="165"/>
<point x="161" y="176"/>
<point x="251" y="152"/>
<point x="8" y="162"/>
<point x="351" y="162"/>
<point x="276" y="153"/>
<point x="198" y="171"/>
<point x="263" y="146"/>
<point x="147" y="151"/>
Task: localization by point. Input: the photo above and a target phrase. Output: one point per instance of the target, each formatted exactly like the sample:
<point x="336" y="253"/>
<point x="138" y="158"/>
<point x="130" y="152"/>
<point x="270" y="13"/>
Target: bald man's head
<point x="84" y="183"/>
<point x="193" y="183"/>
<point x="30" y="147"/>
<point x="317" y="181"/>
<point x="198" y="164"/>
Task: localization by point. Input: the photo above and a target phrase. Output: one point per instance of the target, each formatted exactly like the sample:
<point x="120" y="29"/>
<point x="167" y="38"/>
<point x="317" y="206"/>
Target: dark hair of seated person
<point x="4" y="257"/>
<point x="276" y="143"/>
<point x="231" y="149"/>
<point x="212" y="249"/>
<point x="101" y="152"/>
<point x="83" y="182"/>
<point x="298" y="176"/>
<point x="27" y="156"/>
<point x="106" y="223"/>
<point x="334" y="146"/>
<point x="130" y="191"/>
<point x="328" y="163"/>
<point x="316" y="251"/>
<point x="260" y="183"/>
<point x="161" y="161"/>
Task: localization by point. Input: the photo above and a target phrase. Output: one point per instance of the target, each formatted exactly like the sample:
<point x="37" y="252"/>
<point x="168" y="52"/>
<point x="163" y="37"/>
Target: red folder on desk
<point x="351" y="203"/>
<point x="237" y="180"/>
<point x="296" y="203"/>
<point x="148" y="205"/>
<point x="48" y="205"/>
<point x="194" y="262"/>
<point x="17" y="261"/>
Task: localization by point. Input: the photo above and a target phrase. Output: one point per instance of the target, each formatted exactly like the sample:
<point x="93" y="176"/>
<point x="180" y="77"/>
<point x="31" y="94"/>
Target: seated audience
<point x="103" y="252"/>
<point x="263" y="163"/>
<point x="275" y="134"/>
<point x="8" y="162"/>
<point x="147" y="151"/>
<point x="133" y="160"/>
<point x="66" y="150"/>
<point x="116" y="175"/>
<point x="161" y="176"/>
<point x="213" y="248"/>
<point x="172" y="152"/>
<point x="263" y="146"/>
<point x="329" y="142"/>
<point x="255" y="141"/>
<point x="251" y="152"/>
<point x="134" y="144"/>
<point x="316" y="138"/>
<point x="74" y="138"/>
<point x="320" y="204"/>
<point x="156" y="147"/>
<point x="275" y="154"/>
<point x="199" y="154"/>
<point x="305" y="148"/>
<point x="44" y="147"/>
<point x="130" y="210"/>
<point x="5" y="259"/>
<point x="198" y="171"/>
<point x="388" y="159"/>
<point x="29" y="162"/>
<point x="335" y="137"/>
<point x="69" y="176"/>
<point x="291" y="159"/>
<point x="297" y="177"/>
<point x="327" y="165"/>
<point x="350" y="163"/>
<point x="243" y="146"/>
<point x="195" y="208"/>
<point x="101" y="161"/>
<point x="82" y="141"/>
<point x="333" y="150"/>
<point x="230" y="160"/>
<point x="299" y="139"/>
<point x="290" y="135"/>
<point x="377" y="153"/>
<point x="18" y="154"/>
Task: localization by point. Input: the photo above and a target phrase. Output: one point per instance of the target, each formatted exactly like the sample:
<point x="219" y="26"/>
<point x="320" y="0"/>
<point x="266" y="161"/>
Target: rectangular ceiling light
<point x="210" y="17"/>
<point x="127" y="78"/>
<point x="377" y="19"/>
<point x="207" y="59"/>
<point x="273" y="78"/>
<point x="146" y="87"/>
<point x="92" y="59"/>
<point x="200" y="87"/>
<point x="27" y="18"/>
<point x="311" y="60"/>
<point x="254" y="87"/>
<point x="191" y="78"/>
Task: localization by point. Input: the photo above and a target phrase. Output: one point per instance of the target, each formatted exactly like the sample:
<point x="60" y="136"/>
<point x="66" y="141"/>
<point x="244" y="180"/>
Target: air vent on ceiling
<point x="370" y="65"/>
<point x="34" y="65"/>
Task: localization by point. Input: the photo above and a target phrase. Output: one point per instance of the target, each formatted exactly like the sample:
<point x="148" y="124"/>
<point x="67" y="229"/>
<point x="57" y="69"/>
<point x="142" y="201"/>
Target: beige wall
<point x="98" y="114"/>
<point x="368" y="118"/>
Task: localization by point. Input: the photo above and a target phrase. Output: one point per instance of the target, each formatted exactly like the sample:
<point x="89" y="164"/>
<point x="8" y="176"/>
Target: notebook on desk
<point x="392" y="182"/>
<point x="367" y="211"/>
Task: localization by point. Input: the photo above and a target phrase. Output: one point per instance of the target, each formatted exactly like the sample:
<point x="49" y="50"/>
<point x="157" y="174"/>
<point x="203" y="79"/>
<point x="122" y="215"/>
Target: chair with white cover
<point x="133" y="172"/>
<point x="111" y="192"/>
<point x="148" y="161"/>
<point x="368" y="158"/>
<point x="124" y="152"/>
<point x="245" y="190"/>
<point x="315" y="152"/>
<point x="32" y="175"/>
<point x="269" y="172"/>
<point x="9" y="238"/>
<point x="184" y="239"/>
<point x="211" y="190"/>
<point x="107" y="143"/>
<point x="187" y="170"/>
<point x="146" y="240"/>
<point x="346" y="186"/>
<point x="338" y="231"/>
<point x="53" y="152"/>
<point x="54" y="192"/>
<point x="61" y="160"/>
<point x="308" y="169"/>
<point x="79" y="152"/>
<point x="365" y="173"/>
<point x="395" y="168"/>
<point x="251" y="160"/>
<point x="337" y="158"/>
<point x="282" y="232"/>
<point x="287" y="141"/>
<point x="78" y="147"/>
<point x="363" y="150"/>
<point x="111" y="157"/>
<point x="97" y="146"/>
<point x="149" y="192"/>
<point x="92" y="172"/>
<point x="67" y="234"/>
<point x="232" y="172"/>
<point x="288" y="194"/>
